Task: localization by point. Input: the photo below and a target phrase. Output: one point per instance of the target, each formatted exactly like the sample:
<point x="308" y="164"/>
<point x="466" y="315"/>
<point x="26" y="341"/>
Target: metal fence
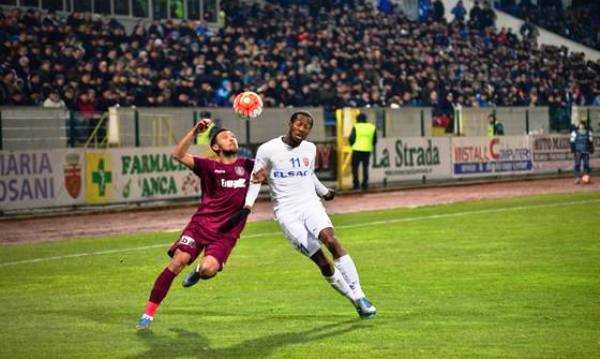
<point x="588" y="114"/>
<point x="513" y="120"/>
<point x="27" y="128"/>
<point x="40" y="128"/>
<point x="143" y="127"/>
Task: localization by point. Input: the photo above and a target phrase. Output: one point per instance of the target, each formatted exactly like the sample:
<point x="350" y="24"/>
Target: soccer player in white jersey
<point x="289" y="162"/>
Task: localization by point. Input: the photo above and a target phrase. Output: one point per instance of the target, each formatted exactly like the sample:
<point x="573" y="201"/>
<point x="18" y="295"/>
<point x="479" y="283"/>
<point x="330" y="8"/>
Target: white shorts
<point x="302" y="226"/>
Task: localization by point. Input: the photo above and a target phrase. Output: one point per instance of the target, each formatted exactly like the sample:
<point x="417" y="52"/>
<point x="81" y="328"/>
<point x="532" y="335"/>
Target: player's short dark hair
<point x="296" y="115"/>
<point x="213" y="139"/>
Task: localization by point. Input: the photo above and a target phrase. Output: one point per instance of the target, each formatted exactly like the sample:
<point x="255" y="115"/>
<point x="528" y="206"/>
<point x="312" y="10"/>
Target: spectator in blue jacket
<point x="582" y="145"/>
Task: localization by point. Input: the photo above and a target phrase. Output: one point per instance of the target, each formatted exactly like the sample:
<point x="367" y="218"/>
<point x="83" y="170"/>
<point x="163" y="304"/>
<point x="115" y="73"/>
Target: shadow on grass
<point x="203" y="313"/>
<point x="188" y="343"/>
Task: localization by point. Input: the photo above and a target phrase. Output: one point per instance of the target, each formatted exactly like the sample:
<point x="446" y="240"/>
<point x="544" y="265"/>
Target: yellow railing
<point x="94" y="136"/>
<point x="161" y="128"/>
<point x="345" y="119"/>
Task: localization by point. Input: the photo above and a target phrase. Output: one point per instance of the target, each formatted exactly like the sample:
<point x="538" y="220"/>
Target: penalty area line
<point x="346" y="226"/>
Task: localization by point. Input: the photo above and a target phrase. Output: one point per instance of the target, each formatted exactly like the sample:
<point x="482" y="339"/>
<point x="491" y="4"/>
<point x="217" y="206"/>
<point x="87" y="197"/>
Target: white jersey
<point x="290" y="173"/>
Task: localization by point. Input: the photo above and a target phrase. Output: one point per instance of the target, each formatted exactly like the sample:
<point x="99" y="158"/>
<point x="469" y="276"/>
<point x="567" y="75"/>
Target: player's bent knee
<point x="179" y="261"/>
<point x="176" y="266"/>
<point x="208" y="271"/>
<point x="327" y="236"/>
<point x="334" y="246"/>
<point x="209" y="267"/>
<point x="330" y="241"/>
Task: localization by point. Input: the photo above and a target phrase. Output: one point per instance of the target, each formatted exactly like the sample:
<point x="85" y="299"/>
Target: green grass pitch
<point x="504" y="278"/>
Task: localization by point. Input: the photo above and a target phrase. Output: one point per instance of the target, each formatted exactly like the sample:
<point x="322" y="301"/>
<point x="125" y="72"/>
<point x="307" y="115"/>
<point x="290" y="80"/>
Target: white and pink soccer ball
<point x="248" y="104"/>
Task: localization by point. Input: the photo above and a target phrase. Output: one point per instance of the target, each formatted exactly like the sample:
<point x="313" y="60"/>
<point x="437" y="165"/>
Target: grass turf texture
<point x="514" y="283"/>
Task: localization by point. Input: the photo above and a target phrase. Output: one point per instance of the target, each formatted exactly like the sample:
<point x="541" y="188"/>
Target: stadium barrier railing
<point x="40" y="128"/>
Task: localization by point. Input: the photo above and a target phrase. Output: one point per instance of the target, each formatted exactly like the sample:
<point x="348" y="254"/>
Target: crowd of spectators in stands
<point x="339" y="56"/>
<point x="579" y="22"/>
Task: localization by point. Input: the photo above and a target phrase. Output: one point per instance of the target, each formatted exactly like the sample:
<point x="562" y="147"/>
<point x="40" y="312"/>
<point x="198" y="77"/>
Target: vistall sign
<point x="491" y="156"/>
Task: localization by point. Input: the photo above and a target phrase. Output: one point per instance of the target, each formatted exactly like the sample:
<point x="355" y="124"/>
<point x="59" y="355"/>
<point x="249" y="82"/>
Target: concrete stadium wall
<point x="271" y="123"/>
<point x="586" y="113"/>
<point x="408" y="122"/>
<point x="475" y="121"/>
<point x="33" y="127"/>
<point x="38" y="128"/>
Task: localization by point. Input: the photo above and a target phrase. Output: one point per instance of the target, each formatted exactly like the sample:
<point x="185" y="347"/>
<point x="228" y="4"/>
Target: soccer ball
<point x="248" y="104"/>
<point x="586" y="179"/>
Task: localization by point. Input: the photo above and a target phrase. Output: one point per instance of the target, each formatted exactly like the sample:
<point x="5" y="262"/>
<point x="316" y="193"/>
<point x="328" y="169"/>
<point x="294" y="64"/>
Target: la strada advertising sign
<point x="405" y="159"/>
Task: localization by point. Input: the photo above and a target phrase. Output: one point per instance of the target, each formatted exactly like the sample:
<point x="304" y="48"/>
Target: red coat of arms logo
<point x="306" y="161"/>
<point x="73" y="175"/>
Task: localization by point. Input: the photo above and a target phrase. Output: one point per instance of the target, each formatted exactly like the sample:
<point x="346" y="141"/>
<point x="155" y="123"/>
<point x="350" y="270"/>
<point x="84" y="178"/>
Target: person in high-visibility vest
<point x="222" y="20"/>
<point x="495" y="128"/>
<point x="363" y="139"/>
<point x="491" y="129"/>
<point x="204" y="137"/>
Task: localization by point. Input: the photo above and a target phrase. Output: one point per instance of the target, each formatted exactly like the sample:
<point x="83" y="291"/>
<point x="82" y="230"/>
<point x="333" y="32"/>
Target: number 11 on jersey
<point x="295" y="162"/>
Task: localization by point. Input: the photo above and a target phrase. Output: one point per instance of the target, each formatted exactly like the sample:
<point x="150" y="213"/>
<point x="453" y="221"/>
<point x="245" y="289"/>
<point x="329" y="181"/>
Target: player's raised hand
<point x="202" y="125"/>
<point x="259" y="176"/>
<point x="330" y="195"/>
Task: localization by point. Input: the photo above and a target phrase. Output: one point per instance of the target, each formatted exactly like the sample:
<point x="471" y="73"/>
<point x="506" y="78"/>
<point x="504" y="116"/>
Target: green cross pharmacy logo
<point x="101" y="178"/>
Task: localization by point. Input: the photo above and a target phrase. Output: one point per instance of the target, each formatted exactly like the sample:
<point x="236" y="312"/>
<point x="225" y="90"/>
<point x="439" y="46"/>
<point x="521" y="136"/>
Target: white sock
<point x="197" y="270"/>
<point x="348" y="269"/>
<point x="339" y="284"/>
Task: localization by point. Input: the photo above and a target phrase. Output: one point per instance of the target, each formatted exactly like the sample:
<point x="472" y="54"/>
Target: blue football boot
<point x="190" y="279"/>
<point x="144" y="323"/>
<point x="365" y="309"/>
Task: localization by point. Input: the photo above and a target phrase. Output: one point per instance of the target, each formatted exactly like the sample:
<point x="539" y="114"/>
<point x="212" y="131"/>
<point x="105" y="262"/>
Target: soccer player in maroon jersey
<point x="224" y="185"/>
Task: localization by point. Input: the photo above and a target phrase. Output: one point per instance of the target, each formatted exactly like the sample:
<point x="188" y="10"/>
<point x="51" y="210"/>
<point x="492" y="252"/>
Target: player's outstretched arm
<point x="180" y="151"/>
<point x="323" y="192"/>
<point x="234" y="220"/>
<point x="259" y="175"/>
<point x="251" y="195"/>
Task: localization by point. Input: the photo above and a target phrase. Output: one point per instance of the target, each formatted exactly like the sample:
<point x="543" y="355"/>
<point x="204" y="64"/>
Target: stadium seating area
<point x="295" y="56"/>
<point x="579" y="22"/>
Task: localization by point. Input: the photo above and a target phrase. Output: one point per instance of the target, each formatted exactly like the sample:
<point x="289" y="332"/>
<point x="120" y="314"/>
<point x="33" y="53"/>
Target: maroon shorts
<point x="194" y="240"/>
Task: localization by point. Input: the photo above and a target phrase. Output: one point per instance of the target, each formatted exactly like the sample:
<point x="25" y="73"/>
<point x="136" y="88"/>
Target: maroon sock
<point x="161" y="286"/>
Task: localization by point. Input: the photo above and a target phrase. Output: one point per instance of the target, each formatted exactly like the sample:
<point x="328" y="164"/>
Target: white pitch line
<point x="75" y="255"/>
<point x="482" y="211"/>
<point x="346" y="226"/>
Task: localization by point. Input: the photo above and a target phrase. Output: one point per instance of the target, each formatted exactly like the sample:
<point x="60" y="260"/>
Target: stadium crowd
<point x="330" y="56"/>
<point x="579" y="22"/>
